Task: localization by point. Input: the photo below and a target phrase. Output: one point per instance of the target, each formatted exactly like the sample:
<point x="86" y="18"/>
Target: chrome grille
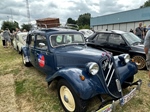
<point x="109" y="74"/>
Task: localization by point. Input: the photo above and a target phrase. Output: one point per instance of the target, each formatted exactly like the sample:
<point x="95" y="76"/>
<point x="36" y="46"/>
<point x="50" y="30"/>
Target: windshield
<point x="66" y="39"/>
<point x="132" y="38"/>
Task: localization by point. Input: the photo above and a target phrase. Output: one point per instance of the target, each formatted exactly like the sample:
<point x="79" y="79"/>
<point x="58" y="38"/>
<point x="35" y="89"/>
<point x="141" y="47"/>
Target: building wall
<point x="120" y="26"/>
<point x="122" y="21"/>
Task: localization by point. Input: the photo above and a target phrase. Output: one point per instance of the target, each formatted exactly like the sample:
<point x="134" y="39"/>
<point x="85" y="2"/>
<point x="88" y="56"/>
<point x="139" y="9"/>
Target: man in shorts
<point x="6" y="35"/>
<point x="147" y="51"/>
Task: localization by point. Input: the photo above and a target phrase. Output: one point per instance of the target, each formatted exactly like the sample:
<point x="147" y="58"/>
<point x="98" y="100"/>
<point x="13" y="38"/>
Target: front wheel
<point x="68" y="98"/>
<point x="140" y="61"/>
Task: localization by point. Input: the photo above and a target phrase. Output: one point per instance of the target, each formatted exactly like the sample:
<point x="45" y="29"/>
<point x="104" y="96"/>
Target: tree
<point x="146" y="4"/>
<point x="71" y="21"/>
<point x="84" y="19"/>
<point x="10" y="25"/>
<point x="26" y="26"/>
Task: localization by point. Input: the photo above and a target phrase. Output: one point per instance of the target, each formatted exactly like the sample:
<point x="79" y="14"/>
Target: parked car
<point x="82" y="72"/>
<point x="86" y="32"/>
<point x="20" y="41"/>
<point x="119" y="42"/>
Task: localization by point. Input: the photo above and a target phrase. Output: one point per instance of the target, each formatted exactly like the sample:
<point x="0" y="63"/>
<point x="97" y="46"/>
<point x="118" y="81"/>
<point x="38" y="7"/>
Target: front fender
<point x="126" y="71"/>
<point x="84" y="89"/>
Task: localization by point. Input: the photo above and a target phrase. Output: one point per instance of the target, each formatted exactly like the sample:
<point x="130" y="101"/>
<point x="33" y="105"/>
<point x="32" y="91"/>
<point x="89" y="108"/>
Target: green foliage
<point x="26" y="26"/>
<point x="146" y="4"/>
<point x="84" y="27"/>
<point x="71" y="21"/>
<point x="20" y="87"/>
<point x="84" y="19"/>
<point x="10" y="25"/>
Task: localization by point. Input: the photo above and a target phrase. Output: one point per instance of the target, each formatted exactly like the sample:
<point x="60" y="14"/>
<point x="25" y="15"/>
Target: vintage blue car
<point x="82" y="72"/>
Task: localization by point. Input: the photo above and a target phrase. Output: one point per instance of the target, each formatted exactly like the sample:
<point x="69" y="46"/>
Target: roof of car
<point x="54" y="29"/>
<point x="113" y="31"/>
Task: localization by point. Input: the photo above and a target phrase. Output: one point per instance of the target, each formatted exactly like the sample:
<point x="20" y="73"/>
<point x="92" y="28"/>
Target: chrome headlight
<point x="127" y="58"/>
<point x="93" y="68"/>
<point x="124" y="57"/>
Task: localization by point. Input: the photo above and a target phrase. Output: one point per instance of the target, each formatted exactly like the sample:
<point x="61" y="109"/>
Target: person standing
<point x="145" y="30"/>
<point x="139" y="31"/>
<point x="3" y="40"/>
<point x="147" y="51"/>
<point x="6" y="35"/>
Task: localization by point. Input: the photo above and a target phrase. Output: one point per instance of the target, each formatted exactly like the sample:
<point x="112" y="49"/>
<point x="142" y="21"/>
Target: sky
<point x="16" y="10"/>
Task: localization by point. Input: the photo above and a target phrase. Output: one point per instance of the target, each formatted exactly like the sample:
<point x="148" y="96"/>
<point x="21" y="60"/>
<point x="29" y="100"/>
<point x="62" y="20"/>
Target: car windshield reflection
<point x="66" y="39"/>
<point x="132" y="38"/>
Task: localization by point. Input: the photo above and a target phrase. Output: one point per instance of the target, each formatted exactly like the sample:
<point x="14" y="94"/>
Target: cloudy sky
<point x="63" y="9"/>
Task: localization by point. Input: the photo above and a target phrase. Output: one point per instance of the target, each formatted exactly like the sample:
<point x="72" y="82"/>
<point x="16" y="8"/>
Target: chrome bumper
<point x="123" y="100"/>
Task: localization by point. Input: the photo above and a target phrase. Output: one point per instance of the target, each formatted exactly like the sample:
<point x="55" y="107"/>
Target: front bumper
<point x="123" y="100"/>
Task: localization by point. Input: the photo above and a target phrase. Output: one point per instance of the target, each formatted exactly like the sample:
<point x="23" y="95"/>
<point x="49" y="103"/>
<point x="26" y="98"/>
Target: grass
<point x="33" y="95"/>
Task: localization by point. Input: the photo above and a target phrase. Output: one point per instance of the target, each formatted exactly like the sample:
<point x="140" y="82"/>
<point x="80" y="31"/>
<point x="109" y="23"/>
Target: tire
<point x="130" y="80"/>
<point x="27" y="64"/>
<point x="74" y="103"/>
<point x="140" y="61"/>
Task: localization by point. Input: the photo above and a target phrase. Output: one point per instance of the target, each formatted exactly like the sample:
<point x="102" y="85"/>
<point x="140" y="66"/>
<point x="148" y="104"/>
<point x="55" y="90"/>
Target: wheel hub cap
<point x="66" y="99"/>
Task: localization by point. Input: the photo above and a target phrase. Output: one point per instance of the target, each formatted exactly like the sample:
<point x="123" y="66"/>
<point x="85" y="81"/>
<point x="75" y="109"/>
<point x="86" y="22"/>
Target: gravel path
<point x="7" y="94"/>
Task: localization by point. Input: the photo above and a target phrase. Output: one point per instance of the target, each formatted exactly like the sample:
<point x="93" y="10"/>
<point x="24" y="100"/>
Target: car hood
<point x="77" y="56"/>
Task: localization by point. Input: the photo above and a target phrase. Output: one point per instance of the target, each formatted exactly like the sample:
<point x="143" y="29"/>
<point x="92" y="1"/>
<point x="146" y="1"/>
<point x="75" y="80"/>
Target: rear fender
<point x="84" y="89"/>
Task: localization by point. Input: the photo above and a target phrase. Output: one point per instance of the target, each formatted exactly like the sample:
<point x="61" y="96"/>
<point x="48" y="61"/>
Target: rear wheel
<point x="68" y="98"/>
<point x="140" y="61"/>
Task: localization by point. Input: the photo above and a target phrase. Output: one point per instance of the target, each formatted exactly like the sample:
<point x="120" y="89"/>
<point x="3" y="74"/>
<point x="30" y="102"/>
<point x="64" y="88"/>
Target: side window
<point x="101" y="38"/>
<point x="41" y="42"/>
<point x="115" y="39"/>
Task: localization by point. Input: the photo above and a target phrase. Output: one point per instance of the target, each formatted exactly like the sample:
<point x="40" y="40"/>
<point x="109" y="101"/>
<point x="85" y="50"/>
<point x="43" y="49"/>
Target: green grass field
<point x="33" y="95"/>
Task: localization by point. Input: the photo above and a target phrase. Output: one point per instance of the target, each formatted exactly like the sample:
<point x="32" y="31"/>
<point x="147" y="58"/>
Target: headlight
<point x="92" y="68"/>
<point x="127" y="58"/>
<point x="124" y="58"/>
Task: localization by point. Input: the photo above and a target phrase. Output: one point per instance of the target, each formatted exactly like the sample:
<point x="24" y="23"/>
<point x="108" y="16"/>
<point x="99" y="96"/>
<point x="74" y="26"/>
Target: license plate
<point x="107" y="108"/>
<point x="127" y="97"/>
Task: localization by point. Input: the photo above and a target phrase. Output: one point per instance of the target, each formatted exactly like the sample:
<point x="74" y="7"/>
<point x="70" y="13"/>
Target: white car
<point x="86" y="32"/>
<point x="20" y="41"/>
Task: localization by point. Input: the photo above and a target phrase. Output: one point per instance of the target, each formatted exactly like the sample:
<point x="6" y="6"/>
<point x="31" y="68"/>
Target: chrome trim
<point x="111" y="77"/>
<point x="118" y="85"/>
<point x="110" y="66"/>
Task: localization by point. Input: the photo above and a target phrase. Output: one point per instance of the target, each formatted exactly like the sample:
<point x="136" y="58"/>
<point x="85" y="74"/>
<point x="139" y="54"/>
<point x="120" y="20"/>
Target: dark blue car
<point x="82" y="72"/>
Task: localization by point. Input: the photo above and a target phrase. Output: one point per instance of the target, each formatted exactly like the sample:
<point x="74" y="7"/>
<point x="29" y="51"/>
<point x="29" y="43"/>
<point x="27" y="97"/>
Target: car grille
<point x="109" y="74"/>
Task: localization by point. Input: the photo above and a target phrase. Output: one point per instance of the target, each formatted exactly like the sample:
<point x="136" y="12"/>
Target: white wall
<point x="116" y="27"/>
<point x="110" y="27"/>
<point x="122" y="26"/>
<point x="130" y="26"/>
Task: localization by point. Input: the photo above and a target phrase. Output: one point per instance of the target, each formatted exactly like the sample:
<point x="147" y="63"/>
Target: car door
<point x="31" y="44"/>
<point x="117" y="45"/>
<point x="100" y="41"/>
<point x="44" y="59"/>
